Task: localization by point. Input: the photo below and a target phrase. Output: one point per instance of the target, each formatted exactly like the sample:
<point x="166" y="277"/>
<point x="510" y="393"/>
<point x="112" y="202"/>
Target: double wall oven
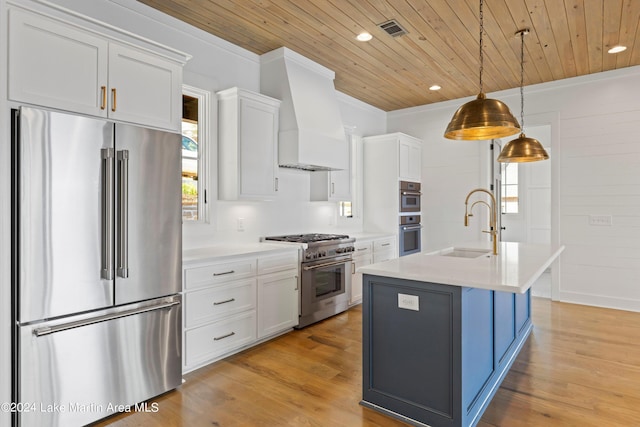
<point x="410" y="230"/>
<point x="325" y="281"/>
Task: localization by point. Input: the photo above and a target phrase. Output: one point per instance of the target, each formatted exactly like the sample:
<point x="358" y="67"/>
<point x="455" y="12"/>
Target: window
<point x="509" y="190"/>
<point x="194" y="143"/>
<point x="345" y="210"/>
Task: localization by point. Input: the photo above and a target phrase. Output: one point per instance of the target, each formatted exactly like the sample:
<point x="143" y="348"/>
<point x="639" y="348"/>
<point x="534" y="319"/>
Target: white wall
<point x="595" y="159"/>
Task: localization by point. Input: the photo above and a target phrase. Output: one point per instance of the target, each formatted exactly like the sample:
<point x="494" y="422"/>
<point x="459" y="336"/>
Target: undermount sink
<point x="464" y="252"/>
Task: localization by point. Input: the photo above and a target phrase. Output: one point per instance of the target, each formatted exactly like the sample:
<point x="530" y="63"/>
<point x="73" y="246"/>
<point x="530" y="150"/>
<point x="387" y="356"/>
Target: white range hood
<point x="312" y="135"/>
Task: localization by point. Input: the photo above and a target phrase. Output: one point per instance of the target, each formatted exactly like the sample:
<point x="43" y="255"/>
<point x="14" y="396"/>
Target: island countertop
<point x="514" y="269"/>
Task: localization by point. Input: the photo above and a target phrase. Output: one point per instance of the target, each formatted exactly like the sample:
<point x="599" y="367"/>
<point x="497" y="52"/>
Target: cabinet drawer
<point x="212" y="340"/>
<point x="384" y="255"/>
<point x="209" y="304"/>
<point x="384" y="244"/>
<point x="216" y="273"/>
<point x="362" y="248"/>
<point x="275" y="263"/>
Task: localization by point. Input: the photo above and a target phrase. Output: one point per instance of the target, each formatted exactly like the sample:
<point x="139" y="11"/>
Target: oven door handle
<point x="411" y="193"/>
<point x="411" y="227"/>
<point x="326" y="264"/>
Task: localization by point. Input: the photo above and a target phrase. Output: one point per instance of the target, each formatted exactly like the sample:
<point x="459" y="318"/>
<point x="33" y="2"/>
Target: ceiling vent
<point x="393" y="28"/>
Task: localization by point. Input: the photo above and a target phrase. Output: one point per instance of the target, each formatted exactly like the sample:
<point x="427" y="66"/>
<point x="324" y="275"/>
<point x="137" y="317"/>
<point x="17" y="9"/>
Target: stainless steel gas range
<point x="325" y="274"/>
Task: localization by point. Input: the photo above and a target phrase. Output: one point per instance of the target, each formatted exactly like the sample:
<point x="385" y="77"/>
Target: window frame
<point x="504" y="184"/>
<point x="204" y="143"/>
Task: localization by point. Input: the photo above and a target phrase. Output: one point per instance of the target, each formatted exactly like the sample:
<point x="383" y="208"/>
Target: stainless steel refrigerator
<point x="96" y="269"/>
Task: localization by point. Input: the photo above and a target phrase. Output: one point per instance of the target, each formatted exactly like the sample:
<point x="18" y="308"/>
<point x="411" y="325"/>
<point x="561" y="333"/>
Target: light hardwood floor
<point x="580" y="367"/>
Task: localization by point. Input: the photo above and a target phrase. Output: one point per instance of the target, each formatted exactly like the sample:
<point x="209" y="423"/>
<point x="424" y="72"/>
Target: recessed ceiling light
<point x="364" y="37"/>
<point x="617" y="49"/>
<point x="434" y="87"/>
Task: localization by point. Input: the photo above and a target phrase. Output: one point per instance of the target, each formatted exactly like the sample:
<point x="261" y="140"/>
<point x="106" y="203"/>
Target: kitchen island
<point x="441" y="329"/>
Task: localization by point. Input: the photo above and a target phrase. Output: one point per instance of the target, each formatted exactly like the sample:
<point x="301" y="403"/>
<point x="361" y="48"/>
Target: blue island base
<point x="435" y="354"/>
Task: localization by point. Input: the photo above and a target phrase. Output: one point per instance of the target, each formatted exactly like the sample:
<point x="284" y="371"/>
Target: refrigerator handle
<point x="123" y="214"/>
<point x="47" y="330"/>
<point x="107" y="213"/>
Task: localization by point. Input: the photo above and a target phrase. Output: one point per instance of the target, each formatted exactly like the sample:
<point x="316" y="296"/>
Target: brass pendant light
<point x="522" y="149"/>
<point x="482" y="118"/>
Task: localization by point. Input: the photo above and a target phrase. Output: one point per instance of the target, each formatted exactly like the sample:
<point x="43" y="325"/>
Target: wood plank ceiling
<point x="568" y="38"/>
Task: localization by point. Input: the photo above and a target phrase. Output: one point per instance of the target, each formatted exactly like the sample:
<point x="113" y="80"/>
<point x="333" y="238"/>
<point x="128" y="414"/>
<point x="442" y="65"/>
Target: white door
<point x="528" y="206"/>
<point x="526" y="211"/>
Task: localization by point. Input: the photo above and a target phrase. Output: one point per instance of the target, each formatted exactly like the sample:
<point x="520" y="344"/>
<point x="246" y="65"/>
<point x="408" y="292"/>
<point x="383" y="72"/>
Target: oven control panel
<point x="311" y="254"/>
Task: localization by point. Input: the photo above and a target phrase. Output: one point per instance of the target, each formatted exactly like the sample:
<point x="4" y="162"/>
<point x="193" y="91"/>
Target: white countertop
<point x="514" y="269"/>
<point x="221" y="251"/>
<point x="369" y="236"/>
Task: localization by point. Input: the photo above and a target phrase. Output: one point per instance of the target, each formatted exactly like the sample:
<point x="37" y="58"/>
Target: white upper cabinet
<point x="55" y="65"/>
<point x="247" y="145"/>
<point x="144" y="88"/>
<point x="387" y="159"/>
<point x="333" y="185"/>
<point x="63" y="66"/>
<point x="409" y="156"/>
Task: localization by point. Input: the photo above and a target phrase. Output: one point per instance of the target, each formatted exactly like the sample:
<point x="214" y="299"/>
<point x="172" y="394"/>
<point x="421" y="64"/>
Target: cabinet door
<point x="277" y="302"/>
<point x="258" y="138"/>
<point x="410" y="160"/>
<point x="523" y="310"/>
<point x="340" y="185"/>
<point x="56" y="65"/>
<point x="333" y="185"/>
<point x="504" y="323"/>
<point x="144" y="88"/>
<point x="356" y="278"/>
<point x="384" y="249"/>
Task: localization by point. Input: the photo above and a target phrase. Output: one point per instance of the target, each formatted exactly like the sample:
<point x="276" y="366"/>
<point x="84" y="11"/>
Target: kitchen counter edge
<point x="516" y="267"/>
<point x="221" y="252"/>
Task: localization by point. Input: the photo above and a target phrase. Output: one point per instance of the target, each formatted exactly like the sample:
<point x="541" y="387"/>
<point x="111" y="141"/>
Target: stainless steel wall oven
<point x="410" y="234"/>
<point x="410" y="196"/>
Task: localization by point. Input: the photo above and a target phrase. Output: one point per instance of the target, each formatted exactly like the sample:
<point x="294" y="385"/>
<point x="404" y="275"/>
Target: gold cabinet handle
<point x="113" y="99"/>
<point x="103" y="95"/>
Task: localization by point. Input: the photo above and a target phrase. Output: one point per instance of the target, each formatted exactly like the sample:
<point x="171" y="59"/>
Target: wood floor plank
<point x="580" y="367"/>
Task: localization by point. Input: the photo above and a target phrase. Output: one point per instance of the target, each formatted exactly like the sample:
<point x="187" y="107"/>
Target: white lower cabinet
<point x="277" y="293"/>
<point x="385" y="249"/>
<point x="362" y="255"/>
<point x="205" y="343"/>
<point x="277" y="302"/>
<point x="215" y="302"/>
<point x="233" y="304"/>
<point x="368" y="251"/>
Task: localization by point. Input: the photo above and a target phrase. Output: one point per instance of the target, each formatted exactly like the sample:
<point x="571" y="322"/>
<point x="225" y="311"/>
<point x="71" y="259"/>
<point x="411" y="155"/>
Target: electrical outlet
<point x="600" y="220"/>
<point x="240" y="224"/>
<point x="409" y="302"/>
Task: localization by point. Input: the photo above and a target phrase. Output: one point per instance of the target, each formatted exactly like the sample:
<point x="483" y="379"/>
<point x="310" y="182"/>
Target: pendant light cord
<point x="522" y="33"/>
<point x="481" y="33"/>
